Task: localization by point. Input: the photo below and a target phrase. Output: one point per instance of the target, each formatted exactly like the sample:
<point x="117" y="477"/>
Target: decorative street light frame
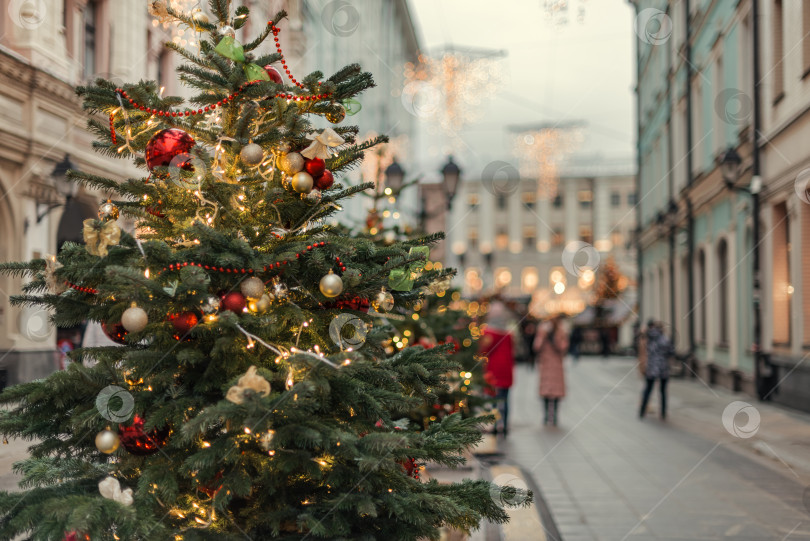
<point x="451" y="173"/>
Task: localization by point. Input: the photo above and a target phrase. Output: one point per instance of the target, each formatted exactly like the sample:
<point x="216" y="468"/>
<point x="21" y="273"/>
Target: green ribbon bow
<point x="402" y="279"/>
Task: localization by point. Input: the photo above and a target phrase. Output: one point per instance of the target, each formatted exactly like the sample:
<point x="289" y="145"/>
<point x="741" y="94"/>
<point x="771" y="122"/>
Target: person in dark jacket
<point x="659" y="350"/>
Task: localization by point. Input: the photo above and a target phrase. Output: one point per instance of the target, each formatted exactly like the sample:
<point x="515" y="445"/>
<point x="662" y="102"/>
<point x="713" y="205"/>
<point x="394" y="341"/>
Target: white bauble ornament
<point x="107" y="441"/>
<point x="134" y="319"/>
<point x="302" y="182"/>
<point x="314" y="196"/>
<point x="291" y="163"/>
<point x="252" y="288"/>
<point x="252" y="154"/>
<point x="383" y="302"/>
<point x="331" y="285"/>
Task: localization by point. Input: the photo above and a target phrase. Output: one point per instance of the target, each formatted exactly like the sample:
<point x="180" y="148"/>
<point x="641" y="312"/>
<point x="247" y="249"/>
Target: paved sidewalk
<point x="607" y="475"/>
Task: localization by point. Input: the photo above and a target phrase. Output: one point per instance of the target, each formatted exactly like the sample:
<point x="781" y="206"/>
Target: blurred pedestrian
<point x="576" y="342"/>
<point x="551" y="345"/>
<point x="496" y="345"/>
<point x="659" y="350"/>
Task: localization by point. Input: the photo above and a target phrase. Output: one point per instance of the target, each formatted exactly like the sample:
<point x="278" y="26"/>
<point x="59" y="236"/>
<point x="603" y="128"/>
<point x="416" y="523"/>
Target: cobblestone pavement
<point x="606" y="475"/>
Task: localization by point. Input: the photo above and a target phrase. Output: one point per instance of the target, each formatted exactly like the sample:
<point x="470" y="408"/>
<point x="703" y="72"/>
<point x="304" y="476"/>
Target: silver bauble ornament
<point x="291" y="163"/>
<point x="302" y="182"/>
<point x="200" y="18"/>
<point x="314" y="196"/>
<point x="252" y="154"/>
<point x="383" y="302"/>
<point x="211" y="305"/>
<point x="134" y="319"/>
<point x="337" y="115"/>
<point x="280" y="290"/>
<point x="284" y="147"/>
<point x="107" y="441"/>
<point x="252" y="288"/>
<point x="108" y="211"/>
<point x="331" y="285"/>
<point x="227" y="31"/>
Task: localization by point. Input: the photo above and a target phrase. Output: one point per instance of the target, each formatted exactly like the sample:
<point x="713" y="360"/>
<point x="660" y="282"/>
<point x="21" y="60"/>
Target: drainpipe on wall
<point x="690" y="219"/>
<point x="762" y="393"/>
<point x="639" y="252"/>
<point x="672" y="206"/>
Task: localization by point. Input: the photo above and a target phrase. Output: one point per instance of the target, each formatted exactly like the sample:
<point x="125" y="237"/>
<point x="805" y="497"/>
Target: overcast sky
<point x="575" y="72"/>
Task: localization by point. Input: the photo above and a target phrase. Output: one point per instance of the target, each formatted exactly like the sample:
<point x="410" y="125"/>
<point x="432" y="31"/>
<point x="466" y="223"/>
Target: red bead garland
<point x="276" y="30"/>
<point x="83" y="289"/>
<point x="112" y="129"/>
<point x="229" y="270"/>
<point x="190" y="112"/>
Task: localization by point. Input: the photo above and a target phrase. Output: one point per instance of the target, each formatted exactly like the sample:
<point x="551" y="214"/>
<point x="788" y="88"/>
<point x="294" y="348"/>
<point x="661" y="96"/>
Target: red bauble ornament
<point x="234" y="301"/>
<point x="114" y="331"/>
<point x="211" y="488"/>
<point x="76" y="536"/>
<point x="357" y="303"/>
<point x="449" y="339"/>
<point x="315" y="167"/>
<point x="273" y="73"/>
<point x="165" y="145"/>
<point x="183" y="323"/>
<point x="411" y="467"/>
<point x="325" y="180"/>
<point x="137" y="442"/>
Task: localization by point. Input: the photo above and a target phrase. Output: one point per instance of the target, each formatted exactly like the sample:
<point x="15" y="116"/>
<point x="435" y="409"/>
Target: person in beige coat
<point x="550" y="346"/>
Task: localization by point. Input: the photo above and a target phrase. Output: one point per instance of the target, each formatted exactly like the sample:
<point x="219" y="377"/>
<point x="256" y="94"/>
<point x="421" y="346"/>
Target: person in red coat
<point x="551" y="345"/>
<point x="496" y="345"/>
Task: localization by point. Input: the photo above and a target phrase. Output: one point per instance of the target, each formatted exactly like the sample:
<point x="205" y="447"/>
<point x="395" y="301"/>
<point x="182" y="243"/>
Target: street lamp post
<point x="451" y="174"/>
<point x="731" y="169"/>
<point x="58" y="193"/>
<point x="394" y="175"/>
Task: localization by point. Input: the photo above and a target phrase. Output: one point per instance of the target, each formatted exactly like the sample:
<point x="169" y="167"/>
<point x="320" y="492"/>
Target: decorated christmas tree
<point x="249" y="394"/>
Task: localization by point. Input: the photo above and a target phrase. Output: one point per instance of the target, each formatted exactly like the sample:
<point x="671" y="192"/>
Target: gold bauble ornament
<point x="331" y="285"/>
<point x="260" y="305"/>
<point x="252" y="154"/>
<point x="108" y="211"/>
<point x="337" y="114"/>
<point x="291" y="163"/>
<point x="252" y="288"/>
<point x="200" y="18"/>
<point x="302" y="182"/>
<point x="134" y="318"/>
<point x="107" y="441"/>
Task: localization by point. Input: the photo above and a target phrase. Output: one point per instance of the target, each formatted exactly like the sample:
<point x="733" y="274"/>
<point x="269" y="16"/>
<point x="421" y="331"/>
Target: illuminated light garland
<point x="541" y="152"/>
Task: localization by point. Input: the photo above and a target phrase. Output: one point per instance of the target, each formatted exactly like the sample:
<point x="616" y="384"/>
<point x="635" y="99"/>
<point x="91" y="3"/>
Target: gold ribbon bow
<point x="110" y="488"/>
<point x="322" y="144"/>
<point x="251" y="380"/>
<point x="99" y="235"/>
